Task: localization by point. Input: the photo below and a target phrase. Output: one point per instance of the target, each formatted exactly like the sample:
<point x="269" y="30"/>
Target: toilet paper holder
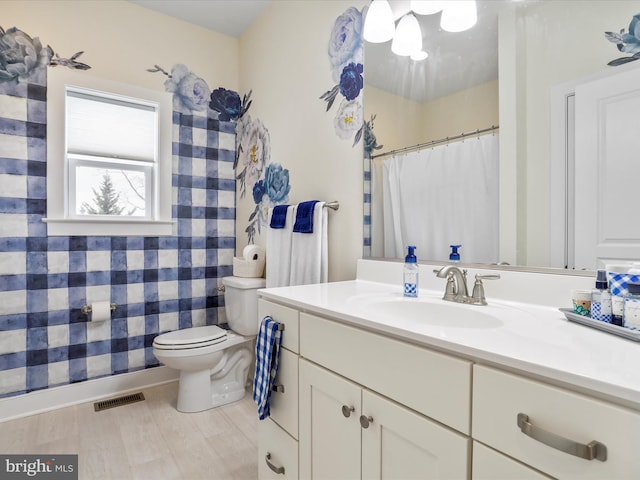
<point x="86" y="310"/>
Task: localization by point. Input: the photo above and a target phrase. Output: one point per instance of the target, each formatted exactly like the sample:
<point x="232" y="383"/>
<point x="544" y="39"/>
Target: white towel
<point x="310" y="251"/>
<point x="279" y="250"/>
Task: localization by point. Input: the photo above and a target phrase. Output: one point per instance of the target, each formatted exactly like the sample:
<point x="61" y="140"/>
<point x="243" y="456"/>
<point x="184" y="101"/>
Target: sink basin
<point x="429" y="310"/>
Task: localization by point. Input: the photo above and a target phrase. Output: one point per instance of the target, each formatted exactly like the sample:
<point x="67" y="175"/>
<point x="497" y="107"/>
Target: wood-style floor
<point x="144" y="440"/>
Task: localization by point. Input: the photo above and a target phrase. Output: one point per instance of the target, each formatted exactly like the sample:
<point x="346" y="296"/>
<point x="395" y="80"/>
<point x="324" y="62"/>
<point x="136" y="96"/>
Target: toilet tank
<point x="241" y="304"/>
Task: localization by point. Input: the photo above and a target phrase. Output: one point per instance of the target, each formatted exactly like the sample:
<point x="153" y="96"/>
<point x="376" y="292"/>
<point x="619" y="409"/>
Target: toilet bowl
<point x="214" y="362"/>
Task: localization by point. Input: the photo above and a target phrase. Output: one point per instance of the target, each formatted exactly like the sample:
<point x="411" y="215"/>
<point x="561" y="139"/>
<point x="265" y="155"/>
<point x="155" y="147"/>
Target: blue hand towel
<point x="267" y="359"/>
<point x="304" y="217"/>
<point x="279" y="216"/>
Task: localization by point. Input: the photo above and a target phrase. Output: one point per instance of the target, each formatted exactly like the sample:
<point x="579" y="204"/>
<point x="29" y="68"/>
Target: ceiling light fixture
<point x="408" y="37"/>
<point x="427" y="7"/>
<point x="379" y="25"/>
<point x="459" y="15"/>
<point x="419" y="56"/>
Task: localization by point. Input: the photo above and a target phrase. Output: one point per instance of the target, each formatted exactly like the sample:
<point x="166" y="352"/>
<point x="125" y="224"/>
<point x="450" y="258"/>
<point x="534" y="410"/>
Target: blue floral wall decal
<point x="627" y="42"/>
<point x="228" y="103"/>
<point x="268" y="182"/>
<point x="21" y="56"/>
<point x="346" y="57"/>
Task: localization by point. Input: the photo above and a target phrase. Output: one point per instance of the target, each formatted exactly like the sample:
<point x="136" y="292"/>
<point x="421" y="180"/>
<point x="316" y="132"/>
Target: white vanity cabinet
<point x="278" y="434"/>
<point x="358" y="403"/>
<point x="347" y="430"/>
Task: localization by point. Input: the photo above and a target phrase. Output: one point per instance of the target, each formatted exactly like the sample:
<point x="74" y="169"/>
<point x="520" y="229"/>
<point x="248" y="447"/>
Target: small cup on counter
<point x="581" y="302"/>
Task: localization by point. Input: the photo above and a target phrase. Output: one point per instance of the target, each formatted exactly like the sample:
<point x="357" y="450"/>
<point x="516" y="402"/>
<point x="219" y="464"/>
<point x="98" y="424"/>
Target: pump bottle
<point x="410" y="273"/>
<point x="601" y="298"/>
<point x="454" y="256"/>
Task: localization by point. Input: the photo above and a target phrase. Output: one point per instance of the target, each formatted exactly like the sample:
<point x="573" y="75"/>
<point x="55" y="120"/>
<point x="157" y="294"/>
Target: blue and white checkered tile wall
<point x="158" y="283"/>
<point x="366" y="221"/>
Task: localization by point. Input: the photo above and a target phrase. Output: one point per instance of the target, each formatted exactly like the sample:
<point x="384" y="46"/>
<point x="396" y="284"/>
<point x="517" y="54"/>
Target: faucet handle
<point x="477" y="297"/>
<point x="487" y="277"/>
<point x="450" y="290"/>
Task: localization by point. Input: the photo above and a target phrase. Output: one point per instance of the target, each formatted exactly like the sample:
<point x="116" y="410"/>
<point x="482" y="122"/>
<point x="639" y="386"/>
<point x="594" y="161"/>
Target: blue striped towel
<point x="267" y="358"/>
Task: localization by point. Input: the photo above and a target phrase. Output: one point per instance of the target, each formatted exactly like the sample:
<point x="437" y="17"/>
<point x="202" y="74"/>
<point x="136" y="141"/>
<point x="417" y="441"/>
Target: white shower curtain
<point x="441" y="196"/>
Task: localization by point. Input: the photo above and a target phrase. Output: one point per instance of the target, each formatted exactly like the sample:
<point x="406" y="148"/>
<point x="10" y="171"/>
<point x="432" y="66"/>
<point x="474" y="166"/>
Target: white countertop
<point x="534" y="340"/>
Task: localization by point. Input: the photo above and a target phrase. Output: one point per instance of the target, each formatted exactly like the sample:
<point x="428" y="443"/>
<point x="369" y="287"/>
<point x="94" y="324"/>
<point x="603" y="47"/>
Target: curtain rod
<point x="436" y="142"/>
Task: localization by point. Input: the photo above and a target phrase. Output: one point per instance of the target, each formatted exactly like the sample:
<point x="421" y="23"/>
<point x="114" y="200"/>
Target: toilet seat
<point x="190" y="338"/>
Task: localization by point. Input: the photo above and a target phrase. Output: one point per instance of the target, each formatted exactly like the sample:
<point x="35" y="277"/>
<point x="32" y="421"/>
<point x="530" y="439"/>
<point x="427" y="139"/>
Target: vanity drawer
<point x="491" y="465"/>
<point x="498" y="399"/>
<point x="284" y="400"/>
<point x="277" y="449"/>
<point x="434" y="384"/>
<point x="287" y="316"/>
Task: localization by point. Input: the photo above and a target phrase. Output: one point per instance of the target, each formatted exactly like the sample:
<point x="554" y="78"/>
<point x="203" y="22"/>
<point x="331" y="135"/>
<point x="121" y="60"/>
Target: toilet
<point x="214" y="362"/>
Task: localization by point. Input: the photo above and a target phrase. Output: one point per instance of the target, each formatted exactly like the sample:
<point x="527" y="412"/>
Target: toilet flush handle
<point x="221" y="289"/>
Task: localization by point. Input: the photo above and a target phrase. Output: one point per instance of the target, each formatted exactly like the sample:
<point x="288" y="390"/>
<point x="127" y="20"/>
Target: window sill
<point x="110" y="228"/>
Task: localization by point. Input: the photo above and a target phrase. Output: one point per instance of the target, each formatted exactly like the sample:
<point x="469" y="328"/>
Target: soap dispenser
<point x="601" y="298"/>
<point x="454" y="256"/>
<point x="410" y="273"/>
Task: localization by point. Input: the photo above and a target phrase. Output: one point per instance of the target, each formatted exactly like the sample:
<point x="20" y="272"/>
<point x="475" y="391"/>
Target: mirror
<point x="461" y="87"/>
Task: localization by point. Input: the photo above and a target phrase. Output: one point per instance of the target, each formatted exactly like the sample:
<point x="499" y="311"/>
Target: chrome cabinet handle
<point x="365" y="421"/>
<point x="278" y="470"/>
<point x="346" y="410"/>
<point x="590" y="451"/>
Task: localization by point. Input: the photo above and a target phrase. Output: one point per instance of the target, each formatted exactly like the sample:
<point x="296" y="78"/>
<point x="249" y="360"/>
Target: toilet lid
<point x="189" y="337"/>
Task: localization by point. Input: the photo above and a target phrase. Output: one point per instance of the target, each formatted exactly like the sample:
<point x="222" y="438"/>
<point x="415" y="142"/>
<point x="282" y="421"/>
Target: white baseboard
<point x="75" y="393"/>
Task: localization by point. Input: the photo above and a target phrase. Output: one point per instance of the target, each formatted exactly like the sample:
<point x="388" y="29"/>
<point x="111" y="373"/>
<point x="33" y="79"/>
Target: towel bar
<point x="281" y="326"/>
<point x="335" y="205"/>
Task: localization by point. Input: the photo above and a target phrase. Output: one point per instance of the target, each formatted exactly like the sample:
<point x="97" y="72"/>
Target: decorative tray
<point x="605" y="327"/>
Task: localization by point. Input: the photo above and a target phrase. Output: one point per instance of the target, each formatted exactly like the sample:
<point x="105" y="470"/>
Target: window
<point x="108" y="160"/>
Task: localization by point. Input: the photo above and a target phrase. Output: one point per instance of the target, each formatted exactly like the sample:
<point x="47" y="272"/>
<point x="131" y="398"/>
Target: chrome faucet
<point x="456" y="289"/>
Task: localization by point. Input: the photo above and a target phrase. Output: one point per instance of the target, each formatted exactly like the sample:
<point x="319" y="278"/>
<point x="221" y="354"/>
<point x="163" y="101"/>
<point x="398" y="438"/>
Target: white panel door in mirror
<point x="607" y="170"/>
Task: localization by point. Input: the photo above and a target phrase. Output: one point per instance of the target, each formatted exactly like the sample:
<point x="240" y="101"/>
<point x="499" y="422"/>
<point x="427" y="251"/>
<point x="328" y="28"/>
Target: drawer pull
<point x="278" y="470"/>
<point x="590" y="451"/>
<point x="365" y="421"/>
<point x="278" y="388"/>
<point x="346" y="410"/>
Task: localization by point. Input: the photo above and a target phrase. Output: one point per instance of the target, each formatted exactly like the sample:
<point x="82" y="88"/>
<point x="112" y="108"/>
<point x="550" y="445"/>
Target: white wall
<point x="121" y="40"/>
<point x="284" y="60"/>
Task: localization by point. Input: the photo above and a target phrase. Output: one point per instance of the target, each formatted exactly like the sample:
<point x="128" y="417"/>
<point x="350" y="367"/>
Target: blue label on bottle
<point x="410" y="290"/>
<point x="598" y="314"/>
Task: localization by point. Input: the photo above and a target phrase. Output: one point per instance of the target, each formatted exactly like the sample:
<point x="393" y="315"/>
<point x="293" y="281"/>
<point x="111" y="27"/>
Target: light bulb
<point x="408" y="37"/>
<point x="458" y="16"/>
<point x="378" y="24"/>
<point x="427" y="7"/>
<point x="421" y="55"/>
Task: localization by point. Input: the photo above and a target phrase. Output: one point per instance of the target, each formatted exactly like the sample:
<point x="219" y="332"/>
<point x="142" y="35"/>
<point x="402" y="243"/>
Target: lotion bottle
<point x="601" y="299"/>
<point x="410" y="273"/>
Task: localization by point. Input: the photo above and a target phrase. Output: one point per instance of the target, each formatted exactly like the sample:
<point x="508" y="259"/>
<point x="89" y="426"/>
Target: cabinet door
<point x="401" y="444"/>
<point x="329" y="440"/>
<point x="491" y="465"/>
